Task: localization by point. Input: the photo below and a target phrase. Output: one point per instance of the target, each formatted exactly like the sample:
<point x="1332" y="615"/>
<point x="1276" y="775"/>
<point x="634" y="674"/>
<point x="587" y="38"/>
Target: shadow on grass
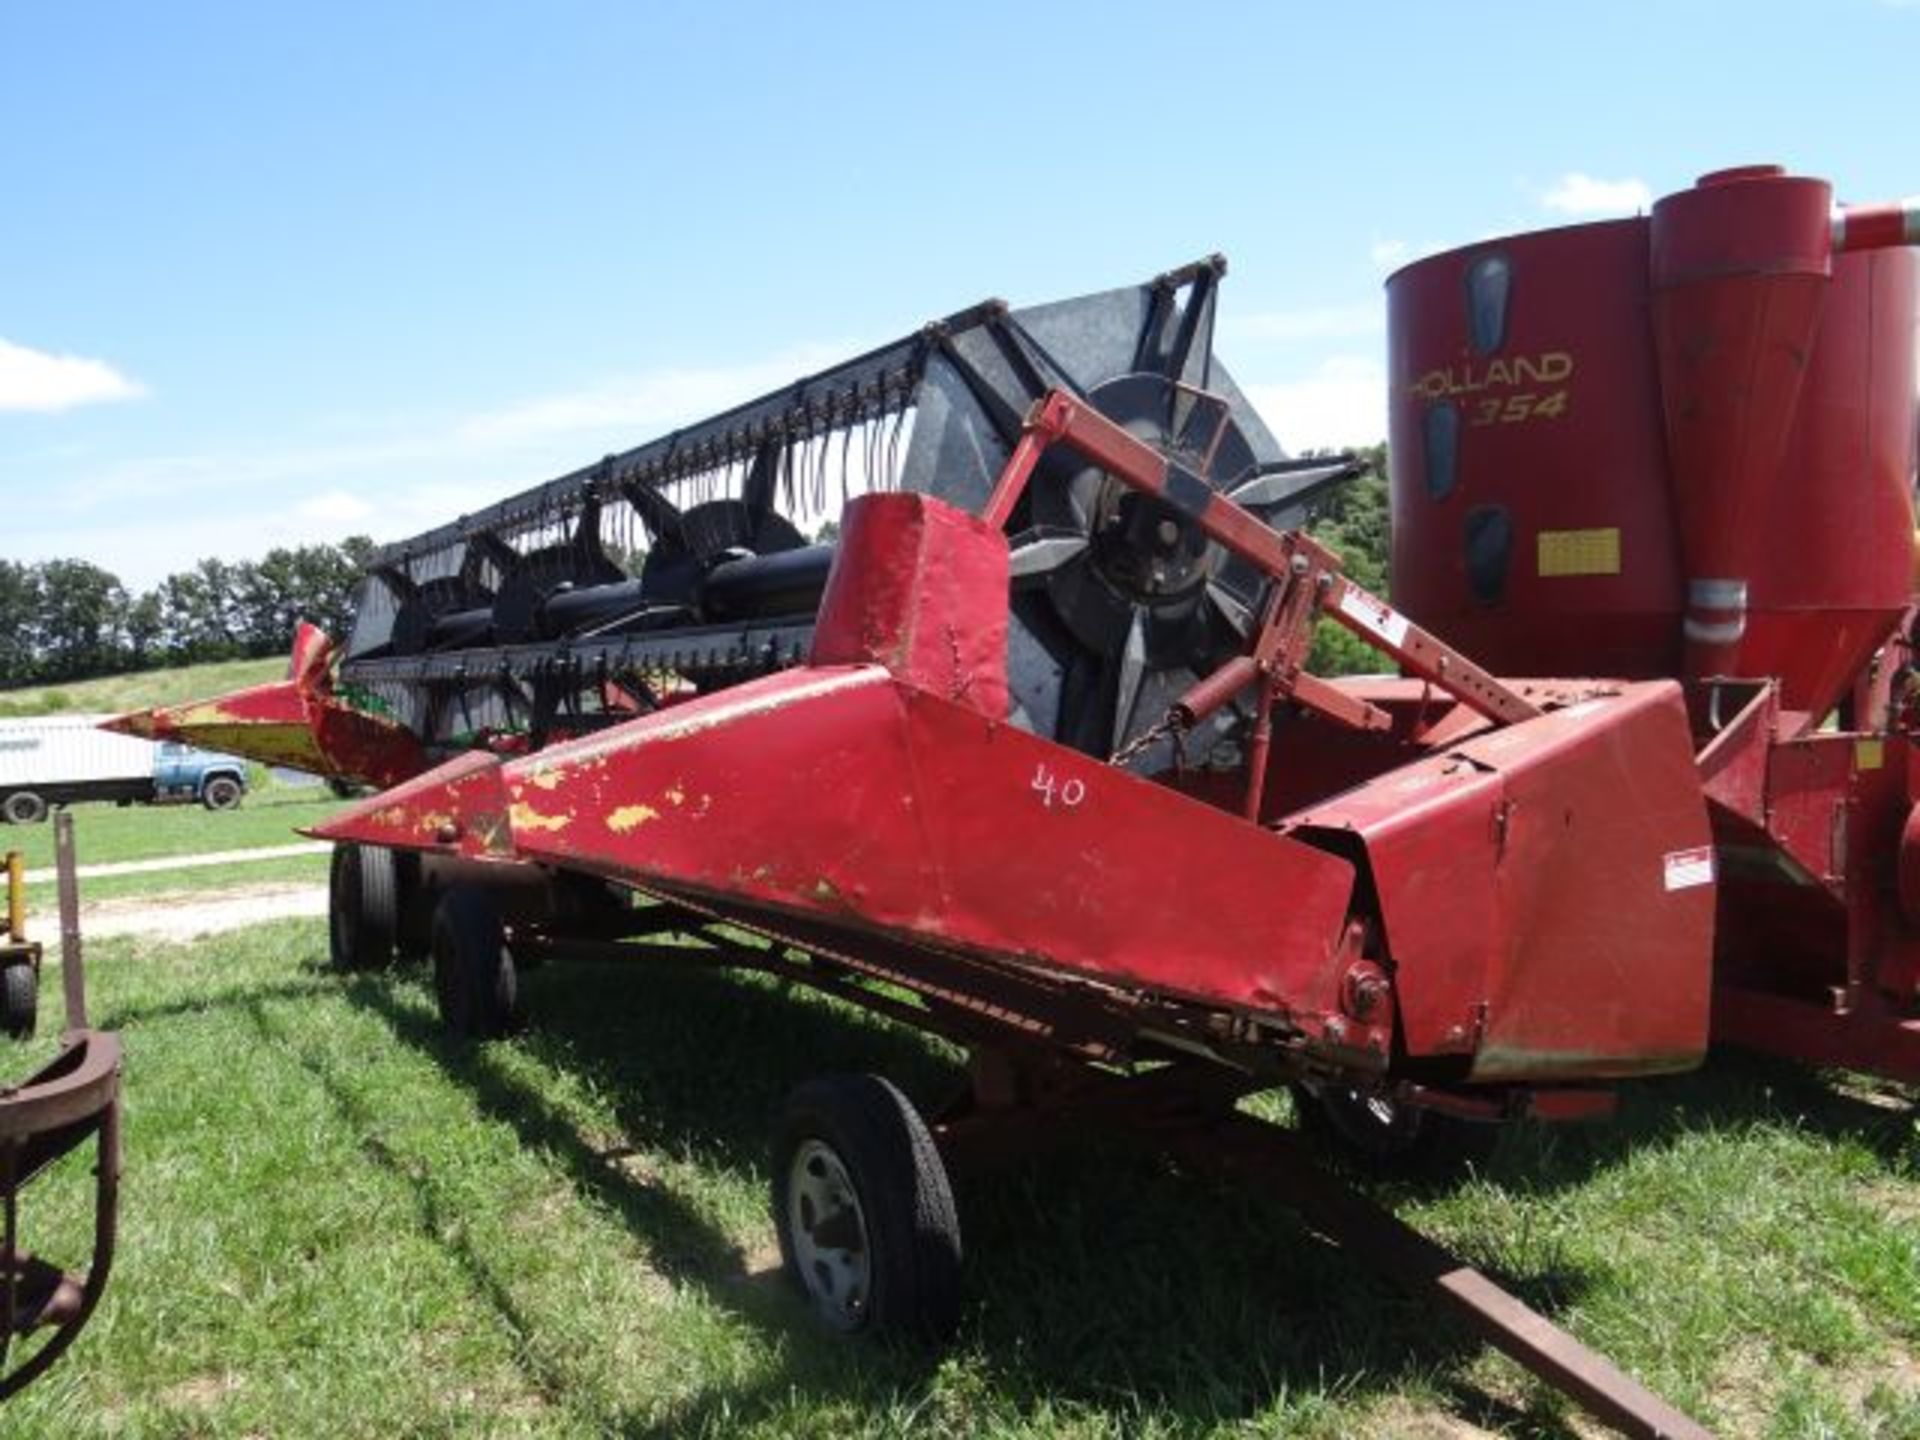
<point x="1735" y="1091"/>
<point x="126" y="1017"/>
<point x="1098" y="1278"/>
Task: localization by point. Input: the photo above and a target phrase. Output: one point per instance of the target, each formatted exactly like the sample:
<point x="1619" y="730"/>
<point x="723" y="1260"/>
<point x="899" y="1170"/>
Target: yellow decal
<point x="1580" y="552"/>
<point x="1551" y="367"/>
<point x="1868" y="754"/>
<point x="631" y="817"/>
<point x="523" y="816"/>
<point x="1513" y="409"/>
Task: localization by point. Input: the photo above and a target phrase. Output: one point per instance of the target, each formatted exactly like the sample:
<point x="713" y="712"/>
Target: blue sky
<point x="271" y="273"/>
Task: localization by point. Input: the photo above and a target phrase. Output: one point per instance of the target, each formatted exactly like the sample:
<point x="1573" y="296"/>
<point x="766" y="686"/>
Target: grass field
<point x="147" y="687"/>
<point x="106" y="833"/>
<point x="337" y="1223"/>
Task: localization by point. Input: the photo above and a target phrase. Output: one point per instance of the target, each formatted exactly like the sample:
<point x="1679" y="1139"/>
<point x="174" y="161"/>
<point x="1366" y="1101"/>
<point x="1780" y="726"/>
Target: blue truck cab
<point x="182" y="772"/>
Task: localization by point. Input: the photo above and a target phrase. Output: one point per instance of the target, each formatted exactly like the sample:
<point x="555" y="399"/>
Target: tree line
<point x="71" y="619"/>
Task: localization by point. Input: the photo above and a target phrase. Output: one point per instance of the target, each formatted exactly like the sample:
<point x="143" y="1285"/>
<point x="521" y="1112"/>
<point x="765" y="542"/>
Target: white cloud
<point x="335" y="507"/>
<point x="637" y="403"/>
<point x="389" y="482"/>
<point x="1387" y="254"/>
<point x="1318" y="322"/>
<point x="37" y="380"/>
<point x="1341" y="402"/>
<point x="1575" y="193"/>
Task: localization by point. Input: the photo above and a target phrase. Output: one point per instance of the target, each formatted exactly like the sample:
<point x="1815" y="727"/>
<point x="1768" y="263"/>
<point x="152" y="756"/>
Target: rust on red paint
<point x="298" y="722"/>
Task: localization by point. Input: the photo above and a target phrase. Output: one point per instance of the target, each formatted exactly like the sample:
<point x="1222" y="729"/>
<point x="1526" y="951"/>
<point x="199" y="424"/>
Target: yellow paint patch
<point x="1869" y="754"/>
<point x="631" y="817"/>
<point x="525" y="817"/>
<point x="1580" y="552"/>
<point x="676" y="796"/>
<point x="547" y="779"/>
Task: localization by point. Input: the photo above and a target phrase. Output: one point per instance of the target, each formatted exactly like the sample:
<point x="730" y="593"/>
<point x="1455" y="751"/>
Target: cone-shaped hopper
<point x="295" y="723"/>
<point x="842" y="796"/>
<point x="460" y="807"/>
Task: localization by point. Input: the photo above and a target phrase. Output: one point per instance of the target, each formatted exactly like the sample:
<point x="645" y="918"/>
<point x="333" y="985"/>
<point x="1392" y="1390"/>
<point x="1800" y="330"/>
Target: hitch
<point x="73" y="1099"/>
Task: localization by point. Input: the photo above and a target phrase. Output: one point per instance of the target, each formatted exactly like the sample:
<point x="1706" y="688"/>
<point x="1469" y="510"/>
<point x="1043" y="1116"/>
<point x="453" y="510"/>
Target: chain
<point x="1173" y="727"/>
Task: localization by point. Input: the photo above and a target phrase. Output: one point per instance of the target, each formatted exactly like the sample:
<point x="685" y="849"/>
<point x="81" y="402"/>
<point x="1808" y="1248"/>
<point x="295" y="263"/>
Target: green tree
<point x="144" y="627"/>
<point x="77" y="630"/>
<point x="1355" y="523"/>
<point x="19" y="620"/>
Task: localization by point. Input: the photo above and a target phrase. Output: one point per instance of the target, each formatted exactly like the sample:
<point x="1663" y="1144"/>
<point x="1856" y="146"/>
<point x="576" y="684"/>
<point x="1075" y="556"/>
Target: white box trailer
<point x="50" y="760"/>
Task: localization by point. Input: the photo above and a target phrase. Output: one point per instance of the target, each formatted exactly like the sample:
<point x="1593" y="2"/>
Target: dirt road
<point x="187" y="914"/>
<point x="45" y="875"/>
<point x="184" y="914"/>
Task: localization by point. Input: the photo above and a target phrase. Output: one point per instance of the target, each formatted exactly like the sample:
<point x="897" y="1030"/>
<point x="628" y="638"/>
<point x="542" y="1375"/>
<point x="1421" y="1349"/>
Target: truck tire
<point x="19" y="999"/>
<point x="474" y="979"/>
<point x="363" y="907"/>
<point x="24" y="807"/>
<point x="222" y="792"/>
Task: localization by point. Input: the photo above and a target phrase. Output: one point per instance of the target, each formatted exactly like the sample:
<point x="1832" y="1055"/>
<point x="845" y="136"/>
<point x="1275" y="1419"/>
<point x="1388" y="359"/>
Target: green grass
<point x="337" y="1223"/>
<point x="146" y="687"/>
<point x="103" y="833"/>
<point x="165" y="886"/>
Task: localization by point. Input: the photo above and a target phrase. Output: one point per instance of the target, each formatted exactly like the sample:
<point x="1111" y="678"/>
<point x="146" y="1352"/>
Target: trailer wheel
<point x="19" y="999"/>
<point x="24" y="807"/>
<point x="1386" y="1135"/>
<point x="363" y="907"/>
<point x="864" y="1211"/>
<point x="473" y="973"/>
<point x="223" y="792"/>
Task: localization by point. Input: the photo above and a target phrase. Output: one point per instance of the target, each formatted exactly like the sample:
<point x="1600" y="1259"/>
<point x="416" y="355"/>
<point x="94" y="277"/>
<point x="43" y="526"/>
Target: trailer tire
<point x="24" y="807"/>
<point x="363" y="907"/>
<point x="19" y="999"/>
<point x="222" y="792"/>
<point x="854" y="1163"/>
<point x="1390" y="1138"/>
<point x="474" y="979"/>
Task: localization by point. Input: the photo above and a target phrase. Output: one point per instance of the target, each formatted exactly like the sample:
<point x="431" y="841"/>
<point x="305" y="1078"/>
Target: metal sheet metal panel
<point x="1547" y="891"/>
<point x="841" y="794"/>
<point x="921" y="588"/>
<point x="1521" y="411"/>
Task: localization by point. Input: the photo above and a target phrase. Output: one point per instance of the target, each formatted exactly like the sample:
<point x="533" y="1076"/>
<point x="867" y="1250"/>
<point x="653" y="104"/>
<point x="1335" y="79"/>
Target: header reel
<point x="685" y="562"/>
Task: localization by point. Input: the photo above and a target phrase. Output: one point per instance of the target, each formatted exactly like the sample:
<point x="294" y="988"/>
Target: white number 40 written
<point x="1052" y="790"/>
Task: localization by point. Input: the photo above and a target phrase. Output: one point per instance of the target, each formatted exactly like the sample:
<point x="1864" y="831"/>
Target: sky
<point x="276" y="273"/>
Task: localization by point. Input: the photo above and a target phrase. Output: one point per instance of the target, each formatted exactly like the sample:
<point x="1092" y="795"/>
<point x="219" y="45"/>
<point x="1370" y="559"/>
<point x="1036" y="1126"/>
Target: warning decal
<point x="1687" y="868"/>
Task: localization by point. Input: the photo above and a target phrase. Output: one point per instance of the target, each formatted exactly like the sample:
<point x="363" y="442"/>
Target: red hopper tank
<point x="1666" y="445"/>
